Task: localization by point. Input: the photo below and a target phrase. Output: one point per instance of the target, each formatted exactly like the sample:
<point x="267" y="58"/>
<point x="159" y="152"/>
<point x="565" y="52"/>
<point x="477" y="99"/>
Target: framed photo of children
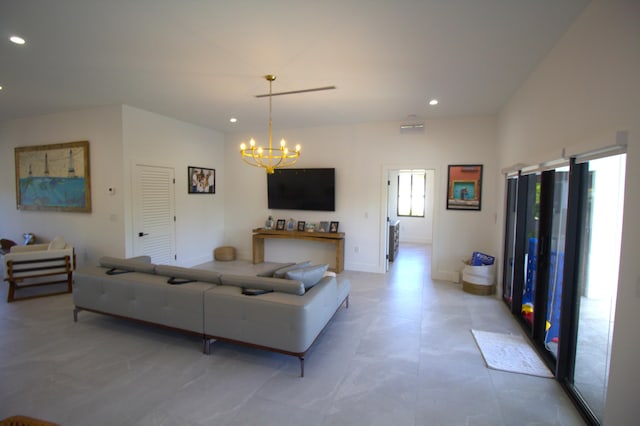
<point x="201" y="180"/>
<point x="464" y="187"/>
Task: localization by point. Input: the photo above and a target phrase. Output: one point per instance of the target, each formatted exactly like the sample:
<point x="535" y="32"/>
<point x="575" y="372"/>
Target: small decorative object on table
<point x="29" y="238"/>
<point x="310" y="227"/>
<point x="334" y="227"/>
<point x="324" y="227"/>
<point x="301" y="224"/>
<point x="268" y="224"/>
<point x="291" y="225"/>
<point x="280" y="225"/>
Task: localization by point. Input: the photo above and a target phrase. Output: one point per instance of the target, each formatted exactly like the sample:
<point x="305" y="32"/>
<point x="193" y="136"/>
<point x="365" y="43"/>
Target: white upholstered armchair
<point x="38" y="265"/>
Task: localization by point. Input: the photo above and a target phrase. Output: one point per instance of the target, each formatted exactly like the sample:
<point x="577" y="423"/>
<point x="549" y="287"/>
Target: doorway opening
<point x="409" y="210"/>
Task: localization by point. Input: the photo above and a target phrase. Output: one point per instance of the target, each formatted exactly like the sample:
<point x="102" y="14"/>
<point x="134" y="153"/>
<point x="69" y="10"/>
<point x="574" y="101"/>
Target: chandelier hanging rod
<point x="295" y="92"/>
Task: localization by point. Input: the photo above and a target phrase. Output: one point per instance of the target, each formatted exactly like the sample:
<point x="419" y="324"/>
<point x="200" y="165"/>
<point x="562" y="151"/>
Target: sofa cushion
<point x="132" y="265"/>
<point x="188" y="273"/>
<point x="263" y="283"/>
<point x="57" y="243"/>
<point x="309" y="276"/>
<point x="280" y="273"/>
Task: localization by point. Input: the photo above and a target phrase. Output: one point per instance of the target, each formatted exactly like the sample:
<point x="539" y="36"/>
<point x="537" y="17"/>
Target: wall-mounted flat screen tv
<point x="302" y="189"/>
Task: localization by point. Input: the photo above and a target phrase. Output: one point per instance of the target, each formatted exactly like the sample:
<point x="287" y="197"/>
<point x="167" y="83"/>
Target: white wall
<point x="156" y="140"/>
<point x="92" y="234"/>
<point x="362" y="155"/>
<point x="118" y="137"/>
<point x="586" y="89"/>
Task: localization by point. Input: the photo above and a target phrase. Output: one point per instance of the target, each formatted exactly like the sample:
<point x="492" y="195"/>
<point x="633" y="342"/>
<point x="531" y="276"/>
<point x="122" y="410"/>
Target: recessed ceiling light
<point x="17" y="39"/>
<point x="433" y="102"/>
<point x="233" y="119"/>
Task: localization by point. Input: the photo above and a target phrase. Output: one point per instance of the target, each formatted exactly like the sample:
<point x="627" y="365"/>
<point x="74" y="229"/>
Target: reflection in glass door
<point x="555" y="269"/>
<point x="532" y="222"/>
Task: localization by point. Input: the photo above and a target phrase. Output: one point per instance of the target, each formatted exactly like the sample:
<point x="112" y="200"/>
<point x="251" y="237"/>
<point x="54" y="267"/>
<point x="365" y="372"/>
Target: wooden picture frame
<point x="333" y="227"/>
<point x="53" y="177"/>
<point x="280" y="224"/>
<point x="464" y="187"/>
<point x="301" y="225"/>
<point x="201" y="180"/>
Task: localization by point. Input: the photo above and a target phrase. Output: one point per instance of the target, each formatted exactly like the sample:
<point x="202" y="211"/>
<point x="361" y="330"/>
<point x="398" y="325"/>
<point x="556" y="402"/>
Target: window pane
<point x="404" y="207"/>
<point x="411" y="192"/>
<point x="404" y="184"/>
<point x="417" y="207"/>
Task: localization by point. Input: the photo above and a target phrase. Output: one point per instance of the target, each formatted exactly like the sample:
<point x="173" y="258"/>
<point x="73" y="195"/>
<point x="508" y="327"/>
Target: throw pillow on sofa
<point x="309" y="276"/>
<point x="280" y="273"/>
<point x="269" y="272"/>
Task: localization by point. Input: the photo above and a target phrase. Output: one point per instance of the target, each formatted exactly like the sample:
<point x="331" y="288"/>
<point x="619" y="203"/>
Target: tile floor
<point x="402" y="354"/>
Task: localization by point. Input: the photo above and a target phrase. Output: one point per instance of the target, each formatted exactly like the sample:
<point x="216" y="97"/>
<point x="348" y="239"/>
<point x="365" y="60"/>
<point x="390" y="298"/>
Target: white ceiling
<point x="203" y="61"/>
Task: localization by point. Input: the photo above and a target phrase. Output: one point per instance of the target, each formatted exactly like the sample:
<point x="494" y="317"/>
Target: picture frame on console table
<point x="301" y="225"/>
<point x="334" y="227"/>
<point x="201" y="180"/>
<point x="53" y="177"/>
<point x="280" y="225"/>
<point x="464" y="187"/>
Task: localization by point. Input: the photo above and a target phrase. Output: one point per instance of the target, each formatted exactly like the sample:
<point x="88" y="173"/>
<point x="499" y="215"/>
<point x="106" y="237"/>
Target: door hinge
<point x="174" y="181"/>
<point x="175" y="257"/>
<point x="174" y="218"/>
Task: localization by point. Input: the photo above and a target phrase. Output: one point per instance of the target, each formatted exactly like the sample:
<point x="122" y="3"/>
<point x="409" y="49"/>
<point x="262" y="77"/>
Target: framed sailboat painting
<point x="53" y="177"/>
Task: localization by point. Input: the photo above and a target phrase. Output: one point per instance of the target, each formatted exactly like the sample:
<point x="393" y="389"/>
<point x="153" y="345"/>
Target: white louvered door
<point x="154" y="213"/>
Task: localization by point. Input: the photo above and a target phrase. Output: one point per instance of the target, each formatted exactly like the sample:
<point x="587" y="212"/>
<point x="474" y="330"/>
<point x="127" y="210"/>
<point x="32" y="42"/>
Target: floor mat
<point x="511" y="353"/>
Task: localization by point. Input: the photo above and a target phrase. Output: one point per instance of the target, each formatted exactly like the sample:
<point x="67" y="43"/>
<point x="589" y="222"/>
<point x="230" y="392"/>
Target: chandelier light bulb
<point x="17" y="39"/>
<point x="243" y="146"/>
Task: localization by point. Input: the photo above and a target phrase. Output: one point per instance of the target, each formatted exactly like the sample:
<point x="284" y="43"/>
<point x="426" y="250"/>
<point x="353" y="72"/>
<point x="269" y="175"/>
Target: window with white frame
<point x="411" y="192"/>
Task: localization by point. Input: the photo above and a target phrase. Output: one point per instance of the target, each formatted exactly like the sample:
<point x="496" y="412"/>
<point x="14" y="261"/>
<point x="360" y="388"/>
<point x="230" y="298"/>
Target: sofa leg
<point x="75" y="314"/>
<point x="347" y="302"/>
<point x="301" y="358"/>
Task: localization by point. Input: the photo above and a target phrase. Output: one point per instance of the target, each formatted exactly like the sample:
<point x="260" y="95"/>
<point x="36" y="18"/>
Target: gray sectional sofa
<point x="284" y="314"/>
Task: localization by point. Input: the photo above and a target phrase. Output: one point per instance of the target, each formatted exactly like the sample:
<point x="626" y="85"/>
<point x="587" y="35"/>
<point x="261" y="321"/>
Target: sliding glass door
<point x="598" y="255"/>
<point x="560" y="273"/>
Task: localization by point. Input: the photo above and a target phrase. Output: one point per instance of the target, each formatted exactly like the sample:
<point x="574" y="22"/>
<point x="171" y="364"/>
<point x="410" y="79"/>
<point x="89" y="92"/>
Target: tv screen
<point x="302" y="189"/>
